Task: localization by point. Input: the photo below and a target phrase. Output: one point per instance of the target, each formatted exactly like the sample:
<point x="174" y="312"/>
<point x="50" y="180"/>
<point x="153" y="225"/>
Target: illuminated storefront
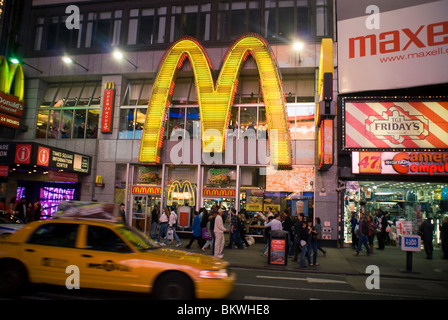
<point x="405" y="140"/>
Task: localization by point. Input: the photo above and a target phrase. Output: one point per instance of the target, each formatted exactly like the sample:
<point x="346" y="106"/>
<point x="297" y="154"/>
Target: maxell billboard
<point x="391" y="44"/>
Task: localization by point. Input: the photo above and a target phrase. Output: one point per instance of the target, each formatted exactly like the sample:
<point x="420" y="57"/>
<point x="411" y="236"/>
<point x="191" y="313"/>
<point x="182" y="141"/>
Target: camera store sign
<point x="405" y="163"/>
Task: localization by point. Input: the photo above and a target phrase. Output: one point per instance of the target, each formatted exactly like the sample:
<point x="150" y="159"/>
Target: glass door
<point x="140" y="213"/>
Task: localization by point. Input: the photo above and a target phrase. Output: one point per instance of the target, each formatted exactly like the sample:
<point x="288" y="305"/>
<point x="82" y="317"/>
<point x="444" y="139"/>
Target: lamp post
<point x="298" y="47"/>
<point x="69" y="60"/>
<point x="120" y="56"/>
<point x="18" y="61"/>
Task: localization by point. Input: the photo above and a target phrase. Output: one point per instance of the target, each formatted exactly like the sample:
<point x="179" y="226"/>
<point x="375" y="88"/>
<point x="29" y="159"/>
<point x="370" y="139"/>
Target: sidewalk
<point x="391" y="262"/>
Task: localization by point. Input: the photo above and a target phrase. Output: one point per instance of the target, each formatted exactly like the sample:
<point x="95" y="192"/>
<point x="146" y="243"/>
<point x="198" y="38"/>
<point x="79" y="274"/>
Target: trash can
<point x="278" y="248"/>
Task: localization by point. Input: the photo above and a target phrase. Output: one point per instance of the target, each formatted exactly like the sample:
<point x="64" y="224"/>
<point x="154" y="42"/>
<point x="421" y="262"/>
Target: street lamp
<point x="120" y="56"/>
<point x="15" y="60"/>
<point x="298" y="47"/>
<point x="69" y="60"/>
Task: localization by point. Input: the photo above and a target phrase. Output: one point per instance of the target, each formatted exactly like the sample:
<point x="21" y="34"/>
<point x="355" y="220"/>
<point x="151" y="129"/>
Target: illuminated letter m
<point x="215" y="101"/>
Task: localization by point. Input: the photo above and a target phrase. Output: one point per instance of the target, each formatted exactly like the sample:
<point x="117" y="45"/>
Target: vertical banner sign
<point x="108" y="108"/>
<point x="12" y="103"/>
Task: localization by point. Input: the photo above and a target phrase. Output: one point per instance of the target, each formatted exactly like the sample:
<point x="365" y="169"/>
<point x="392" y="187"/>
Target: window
<point x="287" y="19"/>
<point x="103" y="29"/>
<point x="104" y="239"/>
<point x="58" y="36"/>
<point x="238" y="18"/>
<point x="147" y="26"/>
<point x="69" y="111"/>
<point x="190" y="20"/>
<point x="301" y="121"/>
<point x="55" y="234"/>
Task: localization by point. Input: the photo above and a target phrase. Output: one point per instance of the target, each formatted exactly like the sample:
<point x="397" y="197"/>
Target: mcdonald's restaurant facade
<point x="194" y="114"/>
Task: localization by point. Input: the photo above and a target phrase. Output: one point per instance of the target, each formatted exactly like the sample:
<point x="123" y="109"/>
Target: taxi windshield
<point x="138" y="239"/>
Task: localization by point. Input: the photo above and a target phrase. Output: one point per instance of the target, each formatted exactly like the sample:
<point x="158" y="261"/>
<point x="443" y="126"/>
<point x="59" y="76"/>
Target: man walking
<point x="219" y="234"/>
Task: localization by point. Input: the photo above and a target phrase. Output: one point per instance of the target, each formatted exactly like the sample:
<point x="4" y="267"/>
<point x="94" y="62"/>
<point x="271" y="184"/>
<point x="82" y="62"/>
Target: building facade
<point x="393" y="112"/>
<point x="91" y="69"/>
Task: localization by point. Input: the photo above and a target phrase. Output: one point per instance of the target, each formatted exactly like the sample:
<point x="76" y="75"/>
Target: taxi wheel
<point x="174" y="286"/>
<point x="13" y="279"/>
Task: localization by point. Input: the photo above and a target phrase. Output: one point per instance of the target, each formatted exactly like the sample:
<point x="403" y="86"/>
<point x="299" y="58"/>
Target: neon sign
<point x="12" y="83"/>
<point x="215" y="100"/>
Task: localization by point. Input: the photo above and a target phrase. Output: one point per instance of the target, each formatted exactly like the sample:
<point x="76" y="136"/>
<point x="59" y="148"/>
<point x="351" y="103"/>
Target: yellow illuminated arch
<point x="10" y="75"/>
<point x="215" y="102"/>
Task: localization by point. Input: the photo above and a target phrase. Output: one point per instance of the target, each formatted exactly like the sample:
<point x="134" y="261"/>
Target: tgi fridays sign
<point x="394" y="124"/>
<point x="404" y="163"/>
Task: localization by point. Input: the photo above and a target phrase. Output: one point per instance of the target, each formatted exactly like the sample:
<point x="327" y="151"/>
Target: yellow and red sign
<point x="12" y="83"/>
<point x="219" y="192"/>
<point x="150" y="190"/>
<point x="108" y="108"/>
<point x="215" y="100"/>
<point x="395" y="124"/>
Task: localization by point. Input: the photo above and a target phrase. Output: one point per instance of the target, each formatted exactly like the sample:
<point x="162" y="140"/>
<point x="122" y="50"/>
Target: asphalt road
<point x="268" y="285"/>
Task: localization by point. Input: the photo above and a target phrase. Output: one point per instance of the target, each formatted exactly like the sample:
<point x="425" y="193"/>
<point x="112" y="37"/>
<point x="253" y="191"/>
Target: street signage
<point x="411" y="243"/>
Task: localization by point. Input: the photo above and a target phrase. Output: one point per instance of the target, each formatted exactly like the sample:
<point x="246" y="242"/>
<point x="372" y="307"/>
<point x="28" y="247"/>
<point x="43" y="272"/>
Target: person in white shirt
<point x="163" y="224"/>
<point x="273" y="224"/>
<point x="172" y="226"/>
<point x="219" y="234"/>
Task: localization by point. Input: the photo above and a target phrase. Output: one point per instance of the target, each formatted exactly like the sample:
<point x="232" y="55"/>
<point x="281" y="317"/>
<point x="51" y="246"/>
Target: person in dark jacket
<point x="197" y="231"/>
<point x="426" y="231"/>
<point x="444" y="237"/>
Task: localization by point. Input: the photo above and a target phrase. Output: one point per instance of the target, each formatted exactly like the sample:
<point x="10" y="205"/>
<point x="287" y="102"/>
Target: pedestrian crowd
<point x="25" y="211"/>
<point x="208" y="228"/>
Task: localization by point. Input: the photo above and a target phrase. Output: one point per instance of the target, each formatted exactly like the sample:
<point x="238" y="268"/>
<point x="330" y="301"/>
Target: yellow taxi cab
<point x="106" y="255"/>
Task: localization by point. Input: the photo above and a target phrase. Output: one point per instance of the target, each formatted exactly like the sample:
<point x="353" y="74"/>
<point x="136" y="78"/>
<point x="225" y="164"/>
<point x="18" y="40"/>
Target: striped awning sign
<point x="402" y="124"/>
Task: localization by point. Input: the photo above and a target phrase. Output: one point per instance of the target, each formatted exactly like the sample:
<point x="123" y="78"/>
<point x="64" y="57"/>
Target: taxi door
<point x="107" y="262"/>
<point x="49" y="250"/>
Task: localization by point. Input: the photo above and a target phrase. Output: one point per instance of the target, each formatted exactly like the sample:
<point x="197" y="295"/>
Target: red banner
<point x="11" y="105"/>
<point x="108" y="108"/>
<point x="9" y="121"/>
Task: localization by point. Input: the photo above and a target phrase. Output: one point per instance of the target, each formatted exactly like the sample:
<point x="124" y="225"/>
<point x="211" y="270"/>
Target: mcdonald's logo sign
<point x="151" y="190"/>
<point x="217" y="192"/>
<point x="182" y="192"/>
<point x="12" y="83"/>
<point x="215" y="100"/>
<point x="108" y="108"/>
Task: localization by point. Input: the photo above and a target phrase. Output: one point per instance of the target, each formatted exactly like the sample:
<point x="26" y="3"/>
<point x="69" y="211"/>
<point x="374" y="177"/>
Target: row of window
<point x="245" y="122"/>
<point x="214" y="21"/>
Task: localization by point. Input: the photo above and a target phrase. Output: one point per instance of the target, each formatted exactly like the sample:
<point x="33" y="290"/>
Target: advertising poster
<point x="391" y="44"/>
<point x="277" y="252"/>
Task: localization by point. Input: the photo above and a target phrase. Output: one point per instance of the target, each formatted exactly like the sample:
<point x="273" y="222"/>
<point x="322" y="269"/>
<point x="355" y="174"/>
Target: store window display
<point x="401" y="201"/>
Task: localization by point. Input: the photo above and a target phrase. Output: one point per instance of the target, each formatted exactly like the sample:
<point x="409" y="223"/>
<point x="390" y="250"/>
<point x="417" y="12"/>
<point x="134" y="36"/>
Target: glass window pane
<point x="234" y="123"/>
<point x="67" y="122"/>
<point x="126" y="124"/>
<point x="193" y="123"/>
<point x="248" y="118"/>
<point x="79" y="124"/>
<point x="54" y="124"/>
<point x="262" y="123"/>
<point x="42" y="124"/>
<point x="140" y="122"/>
<point x="176" y="121"/>
<point x="92" y="123"/>
<point x="132" y="31"/>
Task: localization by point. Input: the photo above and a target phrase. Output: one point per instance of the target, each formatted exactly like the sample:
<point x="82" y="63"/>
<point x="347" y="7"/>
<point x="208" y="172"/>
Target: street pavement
<point x="391" y="262"/>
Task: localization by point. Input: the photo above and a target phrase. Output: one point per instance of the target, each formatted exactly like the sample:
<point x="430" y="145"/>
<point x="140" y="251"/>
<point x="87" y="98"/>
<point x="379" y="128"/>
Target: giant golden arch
<point x="215" y="101"/>
<point x="11" y="79"/>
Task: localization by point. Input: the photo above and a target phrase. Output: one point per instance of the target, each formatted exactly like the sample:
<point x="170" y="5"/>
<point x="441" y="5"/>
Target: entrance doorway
<point x="142" y="206"/>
